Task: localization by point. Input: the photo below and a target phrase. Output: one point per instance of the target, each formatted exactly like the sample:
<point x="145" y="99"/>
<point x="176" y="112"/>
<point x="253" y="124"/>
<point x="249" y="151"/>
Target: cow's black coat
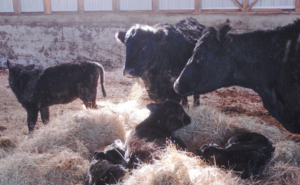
<point x="108" y="165"/>
<point x="157" y="54"/>
<point x="37" y="89"/>
<point x="245" y="153"/>
<point x="266" y="61"/>
<point x="152" y="133"/>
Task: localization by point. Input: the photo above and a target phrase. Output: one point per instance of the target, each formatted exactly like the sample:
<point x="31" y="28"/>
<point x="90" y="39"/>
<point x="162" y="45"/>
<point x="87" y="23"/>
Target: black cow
<point x="245" y="153"/>
<point x="37" y="89"/>
<point x="108" y="165"/>
<point x="266" y="61"/>
<point x="157" y="54"/>
<point x="152" y="133"/>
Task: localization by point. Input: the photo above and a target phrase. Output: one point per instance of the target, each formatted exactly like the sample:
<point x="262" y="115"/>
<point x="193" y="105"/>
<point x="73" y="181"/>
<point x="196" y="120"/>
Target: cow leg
<point x="32" y="115"/>
<point x="45" y="114"/>
<point x="196" y="102"/>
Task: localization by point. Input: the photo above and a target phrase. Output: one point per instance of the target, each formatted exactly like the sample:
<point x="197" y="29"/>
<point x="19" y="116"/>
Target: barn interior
<point x="47" y="33"/>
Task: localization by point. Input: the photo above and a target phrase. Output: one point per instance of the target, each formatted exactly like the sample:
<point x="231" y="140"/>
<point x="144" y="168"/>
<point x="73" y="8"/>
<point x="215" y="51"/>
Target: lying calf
<point x="247" y="153"/>
<point x="108" y="165"/>
<point x="152" y="133"/>
<point x="37" y="89"/>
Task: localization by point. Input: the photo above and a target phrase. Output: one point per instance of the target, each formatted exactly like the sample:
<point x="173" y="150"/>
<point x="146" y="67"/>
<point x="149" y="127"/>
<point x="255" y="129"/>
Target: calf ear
<point x="223" y="33"/>
<point x="120" y="36"/>
<point x="160" y="34"/>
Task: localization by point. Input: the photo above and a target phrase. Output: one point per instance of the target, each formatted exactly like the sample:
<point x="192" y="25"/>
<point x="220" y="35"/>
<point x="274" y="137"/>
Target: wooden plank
<point x="80" y="6"/>
<point x="17" y="6"/>
<point x="245" y="5"/>
<point x="115" y="5"/>
<point x="297" y="5"/>
<point x="155" y="5"/>
<point x="251" y="5"/>
<point x="197" y="6"/>
<point x="47" y="6"/>
<point x="237" y="4"/>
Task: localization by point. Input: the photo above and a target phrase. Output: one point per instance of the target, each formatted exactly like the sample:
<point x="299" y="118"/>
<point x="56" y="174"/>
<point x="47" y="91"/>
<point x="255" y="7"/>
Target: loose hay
<point x="83" y="132"/>
<point x="57" y="167"/>
<point x="179" y="168"/>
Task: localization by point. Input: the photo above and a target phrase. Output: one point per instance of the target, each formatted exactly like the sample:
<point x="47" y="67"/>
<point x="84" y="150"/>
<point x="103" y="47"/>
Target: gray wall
<point x="46" y="40"/>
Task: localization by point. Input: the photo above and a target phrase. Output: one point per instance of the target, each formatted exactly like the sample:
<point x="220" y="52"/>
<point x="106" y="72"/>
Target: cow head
<point x="209" y="67"/>
<point x="142" y="42"/>
<point x="170" y="115"/>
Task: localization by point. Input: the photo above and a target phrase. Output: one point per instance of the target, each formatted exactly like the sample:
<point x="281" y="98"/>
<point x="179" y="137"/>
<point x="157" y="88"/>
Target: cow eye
<point x="202" y="58"/>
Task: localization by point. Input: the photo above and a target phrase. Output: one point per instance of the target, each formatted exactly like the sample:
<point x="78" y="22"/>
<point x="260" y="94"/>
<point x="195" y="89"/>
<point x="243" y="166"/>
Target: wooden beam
<point x="237" y="4"/>
<point x="251" y="5"/>
<point x="245" y="5"/>
<point x="197" y="6"/>
<point x="80" y="6"/>
<point x="116" y="5"/>
<point x="17" y="6"/>
<point x="297" y="5"/>
<point x="155" y="7"/>
<point x="47" y="6"/>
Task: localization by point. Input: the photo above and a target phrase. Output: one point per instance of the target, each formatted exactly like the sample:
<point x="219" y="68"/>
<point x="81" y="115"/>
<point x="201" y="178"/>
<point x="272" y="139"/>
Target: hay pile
<point x="208" y="125"/>
<point x="60" y="153"/>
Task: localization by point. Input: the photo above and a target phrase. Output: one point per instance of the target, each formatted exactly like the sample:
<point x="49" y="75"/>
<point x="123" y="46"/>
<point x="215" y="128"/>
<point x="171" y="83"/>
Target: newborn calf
<point x="108" y="165"/>
<point x="246" y="153"/>
<point x="152" y="133"/>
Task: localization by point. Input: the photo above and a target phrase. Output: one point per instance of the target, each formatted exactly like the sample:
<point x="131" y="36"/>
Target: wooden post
<point x="197" y="6"/>
<point x="297" y="5"/>
<point x="251" y="5"/>
<point x="80" y="6"/>
<point x="17" y="6"/>
<point x="115" y="5"/>
<point x="155" y="7"/>
<point x="47" y="6"/>
<point x="245" y="5"/>
<point x="237" y="4"/>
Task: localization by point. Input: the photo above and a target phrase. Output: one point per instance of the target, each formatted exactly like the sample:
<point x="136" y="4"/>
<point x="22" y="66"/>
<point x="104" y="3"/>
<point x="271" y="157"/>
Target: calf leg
<point x="45" y="114"/>
<point x="196" y="102"/>
<point x="89" y="98"/>
<point x="32" y="115"/>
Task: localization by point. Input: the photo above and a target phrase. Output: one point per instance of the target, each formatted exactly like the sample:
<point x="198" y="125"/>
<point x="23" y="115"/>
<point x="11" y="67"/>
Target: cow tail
<point x="101" y="71"/>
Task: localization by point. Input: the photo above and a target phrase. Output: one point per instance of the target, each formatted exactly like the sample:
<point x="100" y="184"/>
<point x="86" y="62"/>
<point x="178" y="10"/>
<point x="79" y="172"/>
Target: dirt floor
<point x="233" y="101"/>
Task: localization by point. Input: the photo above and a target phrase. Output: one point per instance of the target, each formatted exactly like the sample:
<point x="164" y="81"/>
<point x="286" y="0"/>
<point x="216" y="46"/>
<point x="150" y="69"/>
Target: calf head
<point x="108" y="165"/>
<point x="17" y="71"/>
<point x="142" y="43"/>
<point x="113" y="153"/>
<point x="209" y="67"/>
<point x="170" y="115"/>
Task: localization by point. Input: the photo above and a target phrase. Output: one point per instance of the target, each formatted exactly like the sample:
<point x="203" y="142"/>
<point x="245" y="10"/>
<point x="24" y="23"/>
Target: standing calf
<point x="37" y="89"/>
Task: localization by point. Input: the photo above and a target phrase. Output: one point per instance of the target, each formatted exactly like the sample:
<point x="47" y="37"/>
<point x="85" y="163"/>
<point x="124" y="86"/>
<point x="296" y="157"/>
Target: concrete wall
<point x="46" y="40"/>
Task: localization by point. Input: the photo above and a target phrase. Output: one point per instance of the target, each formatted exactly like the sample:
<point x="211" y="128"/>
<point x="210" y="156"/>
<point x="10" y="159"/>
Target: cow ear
<point x="9" y="64"/>
<point x="223" y="33"/>
<point x="160" y="34"/>
<point x="120" y="36"/>
<point x="152" y="107"/>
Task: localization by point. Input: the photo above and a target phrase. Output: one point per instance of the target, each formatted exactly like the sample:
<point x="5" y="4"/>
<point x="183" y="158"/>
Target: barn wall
<point x="50" y="39"/>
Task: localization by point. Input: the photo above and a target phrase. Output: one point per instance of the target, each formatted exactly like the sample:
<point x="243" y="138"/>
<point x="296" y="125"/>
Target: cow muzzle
<point x="130" y="73"/>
